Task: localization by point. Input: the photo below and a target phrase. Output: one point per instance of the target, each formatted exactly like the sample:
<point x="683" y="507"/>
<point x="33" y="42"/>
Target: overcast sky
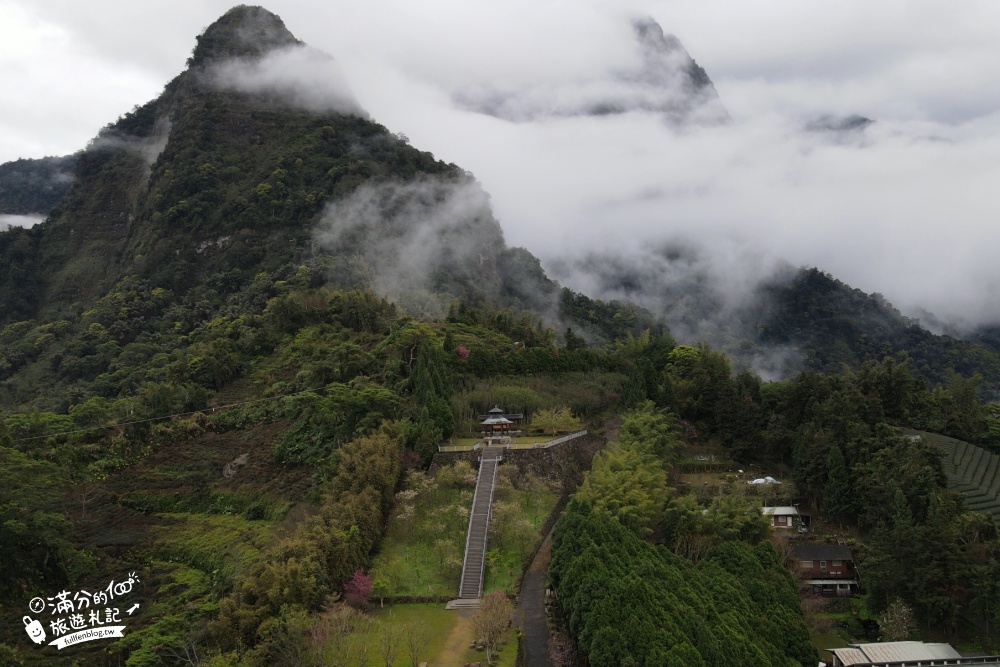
<point x="907" y="209"/>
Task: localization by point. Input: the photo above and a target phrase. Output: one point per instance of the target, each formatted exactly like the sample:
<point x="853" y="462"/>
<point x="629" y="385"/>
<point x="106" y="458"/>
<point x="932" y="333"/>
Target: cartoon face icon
<point x="34" y="630"/>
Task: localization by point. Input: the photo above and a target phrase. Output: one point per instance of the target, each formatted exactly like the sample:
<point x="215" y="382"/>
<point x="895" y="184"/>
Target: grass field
<point x="422" y="552"/>
<point x="444" y="638"/>
<point x="466" y="444"/>
<point x="450" y="634"/>
<point x="416" y="567"/>
<point x="825" y="641"/>
<point x="512" y="545"/>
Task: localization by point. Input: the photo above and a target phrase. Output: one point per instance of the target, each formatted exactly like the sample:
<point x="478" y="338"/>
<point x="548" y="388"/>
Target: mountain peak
<point x="663" y="79"/>
<point x="243" y="32"/>
<point x="665" y="58"/>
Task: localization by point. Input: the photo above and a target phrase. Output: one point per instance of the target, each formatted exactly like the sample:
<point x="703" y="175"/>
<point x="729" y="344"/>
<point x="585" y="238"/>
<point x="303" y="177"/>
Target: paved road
<point x="531" y="610"/>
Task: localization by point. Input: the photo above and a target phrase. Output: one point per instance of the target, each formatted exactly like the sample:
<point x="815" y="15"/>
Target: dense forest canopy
<point x="35" y="187"/>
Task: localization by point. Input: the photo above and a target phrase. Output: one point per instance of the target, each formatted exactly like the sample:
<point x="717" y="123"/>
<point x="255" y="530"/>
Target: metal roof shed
<point x="912" y="654"/>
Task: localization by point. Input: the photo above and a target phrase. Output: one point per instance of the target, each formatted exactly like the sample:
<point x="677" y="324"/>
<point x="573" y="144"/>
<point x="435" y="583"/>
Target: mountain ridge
<point x="213" y="198"/>
<point x="209" y="184"/>
<point x="664" y="80"/>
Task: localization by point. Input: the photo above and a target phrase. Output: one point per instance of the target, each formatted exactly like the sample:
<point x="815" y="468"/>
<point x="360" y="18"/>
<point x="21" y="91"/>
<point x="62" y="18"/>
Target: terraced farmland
<point x="971" y="470"/>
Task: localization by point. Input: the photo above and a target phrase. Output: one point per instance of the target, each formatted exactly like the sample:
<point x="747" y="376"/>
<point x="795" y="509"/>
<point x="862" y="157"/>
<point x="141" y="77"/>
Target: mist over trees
<point x="35" y="187"/>
<point x="250" y="319"/>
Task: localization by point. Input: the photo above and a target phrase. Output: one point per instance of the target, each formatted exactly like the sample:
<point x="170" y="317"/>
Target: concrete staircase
<point x="474" y="565"/>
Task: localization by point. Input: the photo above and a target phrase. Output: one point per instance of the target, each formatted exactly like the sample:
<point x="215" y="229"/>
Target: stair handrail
<point x="489" y="516"/>
<point x="468" y="531"/>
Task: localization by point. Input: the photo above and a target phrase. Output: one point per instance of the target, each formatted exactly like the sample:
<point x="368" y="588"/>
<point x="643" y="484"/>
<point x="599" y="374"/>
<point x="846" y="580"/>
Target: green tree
<point x="962" y="407"/>
<point x="574" y="342"/>
<point x="838" y="493"/>
<point x="627" y="485"/>
<point x="34" y="533"/>
<point x="555" y="420"/>
<point x="651" y="431"/>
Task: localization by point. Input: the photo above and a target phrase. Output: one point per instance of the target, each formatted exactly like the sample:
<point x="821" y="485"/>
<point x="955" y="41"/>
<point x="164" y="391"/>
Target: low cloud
<point x="901" y="208"/>
<point x="590" y="98"/>
<point x="299" y="76"/>
<point x="904" y="207"/>
<point x="702" y="296"/>
<point x="663" y="78"/>
<point x="411" y="242"/>
<point x="8" y="221"/>
<point x="149" y="148"/>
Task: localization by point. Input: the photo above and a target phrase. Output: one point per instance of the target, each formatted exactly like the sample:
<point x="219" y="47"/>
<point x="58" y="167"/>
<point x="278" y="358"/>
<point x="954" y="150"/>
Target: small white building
<point x="782" y="517"/>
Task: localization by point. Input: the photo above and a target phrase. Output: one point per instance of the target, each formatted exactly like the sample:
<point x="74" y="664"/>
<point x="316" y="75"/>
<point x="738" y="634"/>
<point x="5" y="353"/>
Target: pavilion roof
<point x="497" y="420"/>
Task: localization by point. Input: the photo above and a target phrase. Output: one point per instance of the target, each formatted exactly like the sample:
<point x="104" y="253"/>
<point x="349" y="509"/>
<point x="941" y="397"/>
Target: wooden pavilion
<point x="497" y="424"/>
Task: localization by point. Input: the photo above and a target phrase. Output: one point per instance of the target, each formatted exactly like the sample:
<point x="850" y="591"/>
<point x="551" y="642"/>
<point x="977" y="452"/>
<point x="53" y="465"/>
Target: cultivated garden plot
<point x="970" y="470"/>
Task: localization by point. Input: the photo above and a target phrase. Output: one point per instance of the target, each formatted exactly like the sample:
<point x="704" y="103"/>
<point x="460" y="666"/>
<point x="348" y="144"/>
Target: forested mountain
<point x="35" y="187"/>
<point x="217" y="255"/>
<point x="797" y="319"/>
<point x="227" y="174"/>
<point x="181" y="206"/>
<point x="833" y="325"/>
<point x="258" y="313"/>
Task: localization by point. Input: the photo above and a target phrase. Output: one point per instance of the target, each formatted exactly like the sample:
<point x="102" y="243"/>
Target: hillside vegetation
<point x="35" y="186"/>
<point x="230" y="354"/>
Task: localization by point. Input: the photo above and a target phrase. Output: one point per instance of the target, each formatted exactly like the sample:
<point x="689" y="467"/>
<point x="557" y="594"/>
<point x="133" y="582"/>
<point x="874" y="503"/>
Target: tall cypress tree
<point x="838" y="500"/>
<point x="432" y="391"/>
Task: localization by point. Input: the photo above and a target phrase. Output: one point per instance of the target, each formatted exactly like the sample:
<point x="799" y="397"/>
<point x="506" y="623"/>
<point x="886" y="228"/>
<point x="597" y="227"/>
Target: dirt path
<point x="531" y="610"/>
<point x="456" y="646"/>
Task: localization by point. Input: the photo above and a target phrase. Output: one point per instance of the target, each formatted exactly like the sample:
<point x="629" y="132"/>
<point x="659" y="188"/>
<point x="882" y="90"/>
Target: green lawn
<point x="421" y="573"/>
<point x="438" y="623"/>
<point x="827" y="640"/>
<point x="446" y="636"/>
<point x="533" y="507"/>
<point x="449" y="635"/>
<point x="422" y="552"/>
<point x="516" y="438"/>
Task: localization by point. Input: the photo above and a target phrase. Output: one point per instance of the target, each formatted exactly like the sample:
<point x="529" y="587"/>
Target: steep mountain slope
<point x="254" y="171"/>
<point x="797" y="319"/>
<point x="257" y="159"/>
<point x="34" y="187"/>
<point x="834" y="325"/>
<point x="229" y="170"/>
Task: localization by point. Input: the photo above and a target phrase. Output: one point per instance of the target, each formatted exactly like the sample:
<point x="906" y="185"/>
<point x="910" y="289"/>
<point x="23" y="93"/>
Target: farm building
<point x="785" y="517"/>
<point x="829" y="568"/>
